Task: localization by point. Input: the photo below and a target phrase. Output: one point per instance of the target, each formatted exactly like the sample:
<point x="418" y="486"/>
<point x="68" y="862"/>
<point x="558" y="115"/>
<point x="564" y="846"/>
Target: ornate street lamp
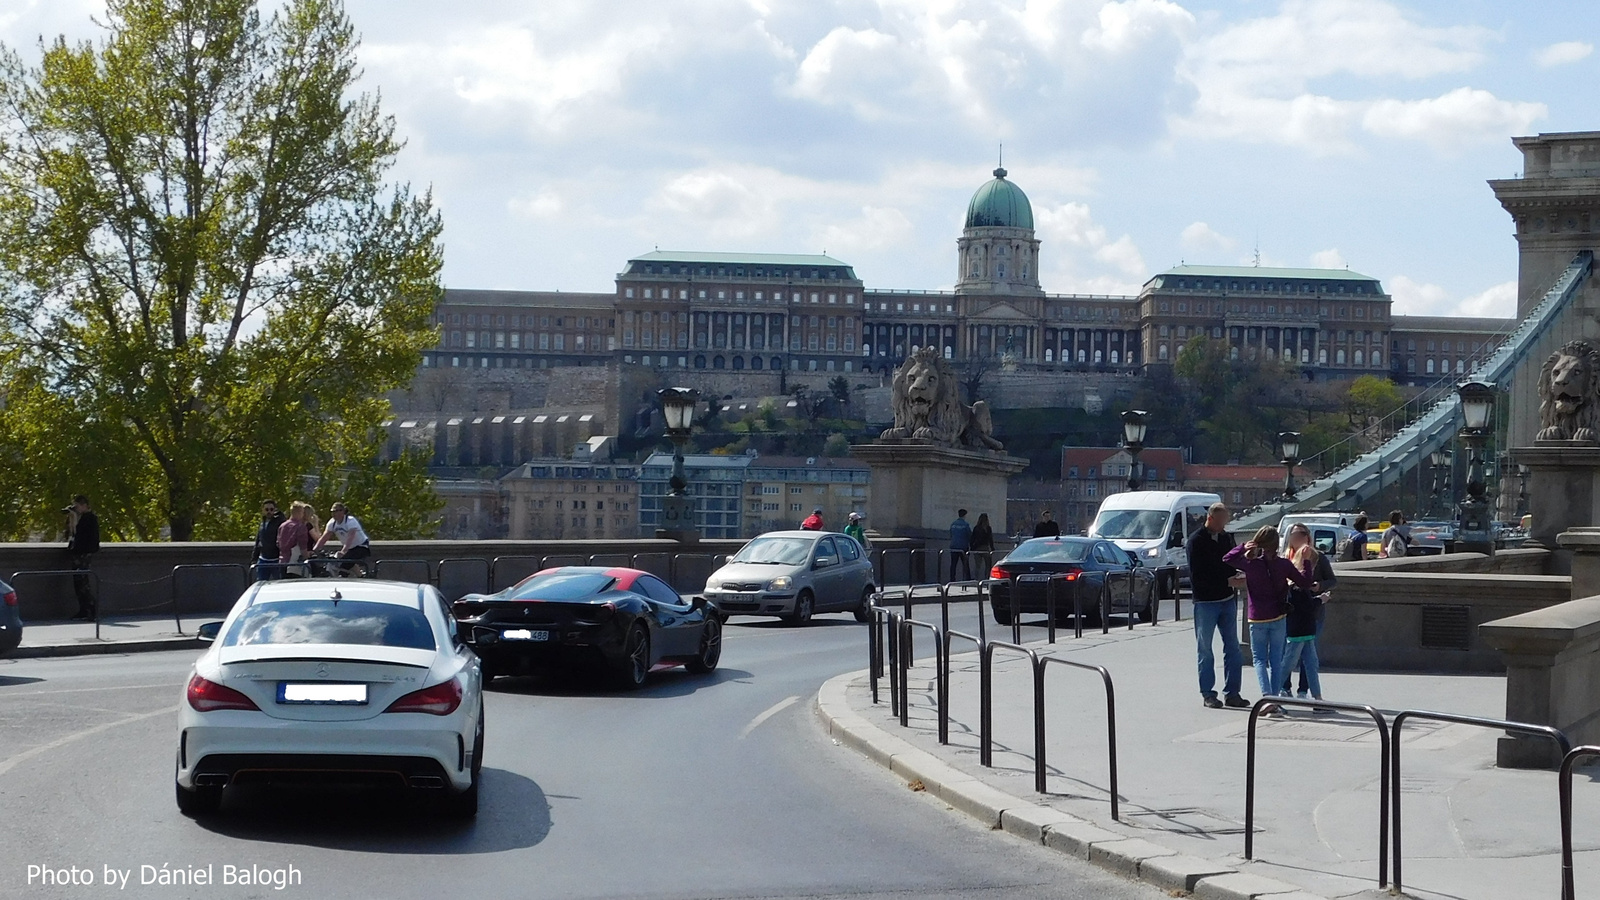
<point x="1436" y="466"/>
<point x="1477" y="411"/>
<point x="1522" y="492"/>
<point x="1289" y="441"/>
<point x="677" y="508"/>
<point x="1133" y="428"/>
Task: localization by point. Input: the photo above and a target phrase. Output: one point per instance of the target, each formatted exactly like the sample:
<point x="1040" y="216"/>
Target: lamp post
<point x="1289" y="442"/>
<point x="1436" y="466"/>
<point x="1477" y="410"/>
<point x="1133" y="428"/>
<point x="677" y="507"/>
<point x="1522" y="492"/>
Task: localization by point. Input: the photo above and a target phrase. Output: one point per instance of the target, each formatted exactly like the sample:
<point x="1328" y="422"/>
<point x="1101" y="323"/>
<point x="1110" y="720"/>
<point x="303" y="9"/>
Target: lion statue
<point x="928" y="408"/>
<point x="1569" y="394"/>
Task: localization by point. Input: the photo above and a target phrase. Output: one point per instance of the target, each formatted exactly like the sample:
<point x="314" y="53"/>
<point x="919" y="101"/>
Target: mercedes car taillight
<point x="10" y="599"/>
<point x="206" y="696"/>
<point x="440" y="700"/>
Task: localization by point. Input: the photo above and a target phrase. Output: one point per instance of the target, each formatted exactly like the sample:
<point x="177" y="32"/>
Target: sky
<point x="561" y="137"/>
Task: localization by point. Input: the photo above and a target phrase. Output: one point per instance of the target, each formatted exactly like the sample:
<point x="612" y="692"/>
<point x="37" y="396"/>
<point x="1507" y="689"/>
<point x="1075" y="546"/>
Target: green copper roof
<point x="739" y="259"/>
<point x="1267" y="272"/>
<point x="999" y="203"/>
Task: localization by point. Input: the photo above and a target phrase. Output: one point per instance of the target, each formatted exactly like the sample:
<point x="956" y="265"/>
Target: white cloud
<point x="875" y="229"/>
<point x="1462" y="115"/>
<point x="1328" y="259"/>
<point x="1079" y="254"/>
<point x="1124" y="26"/>
<point x="1199" y="237"/>
<point x="1267" y="79"/>
<point x="1563" y="53"/>
<point x="1415" y="298"/>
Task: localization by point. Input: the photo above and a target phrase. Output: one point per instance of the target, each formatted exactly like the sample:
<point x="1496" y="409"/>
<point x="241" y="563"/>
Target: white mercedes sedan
<point x="343" y="679"/>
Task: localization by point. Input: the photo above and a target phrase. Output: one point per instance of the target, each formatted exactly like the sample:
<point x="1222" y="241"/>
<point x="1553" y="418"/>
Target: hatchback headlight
<point x="781" y="583"/>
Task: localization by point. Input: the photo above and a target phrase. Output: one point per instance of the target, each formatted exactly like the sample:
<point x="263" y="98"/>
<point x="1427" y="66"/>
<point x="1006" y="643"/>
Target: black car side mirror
<point x="208" y="632"/>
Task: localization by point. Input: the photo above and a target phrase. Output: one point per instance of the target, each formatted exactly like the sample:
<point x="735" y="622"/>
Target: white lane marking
<point x="755" y="723"/>
<point x="7" y="765"/>
<point x="175" y="685"/>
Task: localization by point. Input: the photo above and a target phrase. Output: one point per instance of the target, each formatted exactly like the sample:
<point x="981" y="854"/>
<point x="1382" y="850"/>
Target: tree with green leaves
<point x="205" y="278"/>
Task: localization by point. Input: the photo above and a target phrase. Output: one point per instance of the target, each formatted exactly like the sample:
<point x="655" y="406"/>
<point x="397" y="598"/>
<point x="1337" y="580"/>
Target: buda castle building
<point x="750" y="319"/>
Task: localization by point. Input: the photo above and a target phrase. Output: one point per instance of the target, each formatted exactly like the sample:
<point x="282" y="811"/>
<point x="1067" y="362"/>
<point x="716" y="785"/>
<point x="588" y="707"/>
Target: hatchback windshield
<point x="787" y="551"/>
<point x="1131" y="524"/>
<point x="1051" y="550"/>
<point x="324" y="621"/>
<point x="563" y="586"/>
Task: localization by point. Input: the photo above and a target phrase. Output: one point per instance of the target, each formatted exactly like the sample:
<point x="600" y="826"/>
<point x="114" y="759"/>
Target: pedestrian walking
<point x="83" y="542"/>
<point x="982" y="548"/>
<point x="1354" y="548"/>
<point x="1216" y="608"/>
<point x="1047" y="526"/>
<point x="813" y="522"/>
<point x="267" y="561"/>
<point x="854" y="528"/>
<point x="294" y="541"/>
<point x="1306" y="614"/>
<point x="1267" y="579"/>
<point x="960" y="543"/>
<point x="1396" y="538"/>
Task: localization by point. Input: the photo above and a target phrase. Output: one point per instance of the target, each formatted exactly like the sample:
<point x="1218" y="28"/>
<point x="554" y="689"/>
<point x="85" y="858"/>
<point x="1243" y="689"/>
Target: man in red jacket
<point x="813" y="522"/>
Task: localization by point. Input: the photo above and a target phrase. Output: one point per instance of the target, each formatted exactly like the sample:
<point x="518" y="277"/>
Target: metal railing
<point x="1554" y="734"/>
<point x="1383" y="773"/>
<point x="240" y="568"/>
<point x="986" y="700"/>
<point x="941" y="687"/>
<point x="16" y="579"/>
<point x="1564" y="791"/>
<point x="1040" y="667"/>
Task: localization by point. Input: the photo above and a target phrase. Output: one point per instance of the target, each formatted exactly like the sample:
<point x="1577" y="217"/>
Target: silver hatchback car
<point x="793" y="574"/>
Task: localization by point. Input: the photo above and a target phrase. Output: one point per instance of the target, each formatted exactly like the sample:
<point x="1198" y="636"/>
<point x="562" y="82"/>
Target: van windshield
<point x="1132" y="524"/>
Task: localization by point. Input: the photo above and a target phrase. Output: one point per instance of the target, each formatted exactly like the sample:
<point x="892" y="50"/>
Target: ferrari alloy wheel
<point x="710" y="647"/>
<point x="634" y="666"/>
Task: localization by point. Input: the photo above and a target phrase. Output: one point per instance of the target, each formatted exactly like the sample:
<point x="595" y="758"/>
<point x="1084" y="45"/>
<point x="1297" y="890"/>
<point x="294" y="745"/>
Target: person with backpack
<point x="1396" y="538"/>
<point x="1354" y="548"/>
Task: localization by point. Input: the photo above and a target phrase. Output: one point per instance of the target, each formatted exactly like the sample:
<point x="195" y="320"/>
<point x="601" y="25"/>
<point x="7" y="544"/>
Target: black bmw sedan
<point x="626" y="620"/>
<point x="1084" y="565"/>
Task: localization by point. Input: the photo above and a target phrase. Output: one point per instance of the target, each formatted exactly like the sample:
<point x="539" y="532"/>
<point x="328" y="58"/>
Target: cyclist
<point x="353" y="543"/>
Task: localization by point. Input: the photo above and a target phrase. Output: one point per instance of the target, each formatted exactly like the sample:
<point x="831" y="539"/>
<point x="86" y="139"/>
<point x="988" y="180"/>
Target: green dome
<point x="999" y="203"/>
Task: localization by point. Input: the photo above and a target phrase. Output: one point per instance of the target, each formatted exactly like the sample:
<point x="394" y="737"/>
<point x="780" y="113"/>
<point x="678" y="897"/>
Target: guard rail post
<point x="244" y="582"/>
<point x="1554" y="734"/>
<point x="1111" y="724"/>
<point x="1564" y="790"/>
<point x="944" y="735"/>
<point x="893" y="635"/>
<point x="1383" y="772"/>
<point x="75" y="573"/>
<point x="986" y="698"/>
<point x="940" y="691"/>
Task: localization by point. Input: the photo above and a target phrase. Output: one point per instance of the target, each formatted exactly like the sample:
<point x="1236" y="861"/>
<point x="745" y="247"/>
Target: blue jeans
<point x="1209" y="617"/>
<point x="1304" y="655"/>
<point x="1267" y="647"/>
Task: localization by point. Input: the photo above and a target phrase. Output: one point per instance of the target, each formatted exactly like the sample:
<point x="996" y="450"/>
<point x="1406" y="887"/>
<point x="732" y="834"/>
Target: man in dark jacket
<point x="1047" y="526"/>
<point x="1216" y="608"/>
<point x="83" y="541"/>
<point x="266" y="551"/>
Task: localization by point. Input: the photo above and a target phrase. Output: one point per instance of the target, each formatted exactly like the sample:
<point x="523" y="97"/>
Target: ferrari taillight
<point x="440" y="700"/>
<point x="205" y="696"/>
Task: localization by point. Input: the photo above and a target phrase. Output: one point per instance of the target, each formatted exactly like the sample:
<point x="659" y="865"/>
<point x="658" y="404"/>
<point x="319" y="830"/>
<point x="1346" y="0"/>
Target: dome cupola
<point x="999" y="204"/>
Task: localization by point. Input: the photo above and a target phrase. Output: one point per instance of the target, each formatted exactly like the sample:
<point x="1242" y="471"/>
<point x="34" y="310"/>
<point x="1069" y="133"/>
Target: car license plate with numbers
<point x="524" y="634"/>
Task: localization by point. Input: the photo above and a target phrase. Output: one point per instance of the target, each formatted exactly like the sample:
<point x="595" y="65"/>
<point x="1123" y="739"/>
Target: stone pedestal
<point x="1552" y="677"/>
<point x="1563" y="493"/>
<point x="918" y="487"/>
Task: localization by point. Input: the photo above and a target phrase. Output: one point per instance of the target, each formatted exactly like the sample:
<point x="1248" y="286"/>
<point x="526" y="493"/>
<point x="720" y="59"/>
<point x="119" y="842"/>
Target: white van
<point x="1153" y="525"/>
<point x="1329" y="530"/>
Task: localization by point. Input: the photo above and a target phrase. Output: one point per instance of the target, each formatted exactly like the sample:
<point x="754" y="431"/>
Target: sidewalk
<point x="1471" y="830"/>
<point x="126" y="635"/>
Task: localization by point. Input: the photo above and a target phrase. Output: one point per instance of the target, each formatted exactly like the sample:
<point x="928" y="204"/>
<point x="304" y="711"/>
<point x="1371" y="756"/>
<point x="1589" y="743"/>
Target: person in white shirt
<point x="353" y="542"/>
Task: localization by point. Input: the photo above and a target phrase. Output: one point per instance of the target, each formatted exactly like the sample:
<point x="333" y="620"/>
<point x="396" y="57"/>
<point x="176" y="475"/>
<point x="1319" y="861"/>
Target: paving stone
<point x="1075" y="839"/>
<point x="977" y="800"/>
<point x="1030" y="822"/>
<point x="1240" y="886"/>
<point x="1181" y="872"/>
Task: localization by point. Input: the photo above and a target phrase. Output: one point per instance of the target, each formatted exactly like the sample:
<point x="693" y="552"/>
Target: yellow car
<point x="1374" y="539"/>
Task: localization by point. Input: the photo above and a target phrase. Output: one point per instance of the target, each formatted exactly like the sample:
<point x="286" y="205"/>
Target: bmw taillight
<point x="1071" y="574"/>
<point x="440" y="700"/>
<point x="10" y="599"/>
<point x="206" y="696"/>
<point x="999" y="574"/>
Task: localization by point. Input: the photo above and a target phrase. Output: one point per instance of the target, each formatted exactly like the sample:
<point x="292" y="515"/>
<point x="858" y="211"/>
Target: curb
<point x="94" y="648"/>
<point x="1124" y="854"/>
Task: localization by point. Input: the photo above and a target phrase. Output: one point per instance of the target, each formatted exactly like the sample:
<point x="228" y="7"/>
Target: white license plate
<point x="315" y="693"/>
<point x="523" y="634"/>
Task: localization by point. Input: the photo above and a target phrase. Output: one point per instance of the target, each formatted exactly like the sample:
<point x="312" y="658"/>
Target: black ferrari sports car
<point x="627" y="620"/>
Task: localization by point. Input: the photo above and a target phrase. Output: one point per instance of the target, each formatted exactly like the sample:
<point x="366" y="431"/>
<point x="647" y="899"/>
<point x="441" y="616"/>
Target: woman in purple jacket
<point x="1267" y="576"/>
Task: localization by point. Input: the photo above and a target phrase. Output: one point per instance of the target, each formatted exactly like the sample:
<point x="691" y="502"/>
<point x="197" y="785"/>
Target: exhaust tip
<point x="425" y="781"/>
<point x="211" y="780"/>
